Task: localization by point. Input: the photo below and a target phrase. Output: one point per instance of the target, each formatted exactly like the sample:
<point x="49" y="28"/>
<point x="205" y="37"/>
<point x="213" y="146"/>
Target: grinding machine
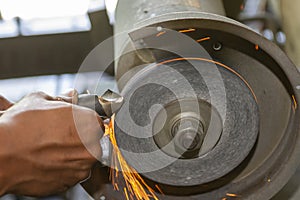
<point x="211" y="107"/>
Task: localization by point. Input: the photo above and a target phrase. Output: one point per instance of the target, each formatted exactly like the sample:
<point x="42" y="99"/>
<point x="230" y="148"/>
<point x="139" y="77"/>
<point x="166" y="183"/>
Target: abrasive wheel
<point x="193" y="140"/>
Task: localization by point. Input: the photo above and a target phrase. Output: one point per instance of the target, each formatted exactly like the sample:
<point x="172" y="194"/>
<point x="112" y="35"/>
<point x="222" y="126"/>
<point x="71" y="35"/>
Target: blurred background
<point x="44" y="42"/>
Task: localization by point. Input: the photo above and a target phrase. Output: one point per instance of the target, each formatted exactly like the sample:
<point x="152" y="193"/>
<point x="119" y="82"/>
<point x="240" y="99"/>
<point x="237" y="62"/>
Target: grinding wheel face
<point x="186" y="82"/>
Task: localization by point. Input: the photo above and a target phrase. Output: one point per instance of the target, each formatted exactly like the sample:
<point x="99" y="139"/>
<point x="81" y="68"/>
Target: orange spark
<point x="116" y="186"/>
<point x="187" y="30"/>
<point x="158" y="188"/>
<point x="160" y="33"/>
<point x="256" y="47"/>
<point x="135" y="186"/>
<point x="242" y="7"/>
<point x="126" y="194"/>
<point x="232" y="195"/>
<point x="203" y="39"/>
<point x="217" y="63"/>
<point x="295" y="102"/>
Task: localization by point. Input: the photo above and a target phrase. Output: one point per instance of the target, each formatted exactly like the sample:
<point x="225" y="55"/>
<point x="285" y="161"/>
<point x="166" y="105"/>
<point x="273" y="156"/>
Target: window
<point x="35" y="17"/>
<point x="8" y="28"/>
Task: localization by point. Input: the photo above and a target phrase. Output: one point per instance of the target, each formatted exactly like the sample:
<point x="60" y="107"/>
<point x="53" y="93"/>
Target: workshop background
<point x="42" y="48"/>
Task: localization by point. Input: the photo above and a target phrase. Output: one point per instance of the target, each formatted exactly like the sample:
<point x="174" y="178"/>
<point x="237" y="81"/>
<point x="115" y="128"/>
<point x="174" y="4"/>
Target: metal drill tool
<point x="105" y="105"/>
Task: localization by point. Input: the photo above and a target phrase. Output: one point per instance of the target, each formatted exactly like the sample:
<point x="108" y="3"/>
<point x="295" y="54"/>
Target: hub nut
<point x="188" y="136"/>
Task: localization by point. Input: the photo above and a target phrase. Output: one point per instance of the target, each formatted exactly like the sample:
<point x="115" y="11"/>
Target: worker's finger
<point x="2" y="112"/>
<point x="70" y="93"/>
<point x="40" y="95"/>
<point x="4" y="103"/>
<point x="69" y="96"/>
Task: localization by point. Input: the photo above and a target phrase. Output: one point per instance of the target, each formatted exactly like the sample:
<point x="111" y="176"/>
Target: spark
<point x="242" y="7"/>
<point x="256" y="47"/>
<point x="116" y="187"/>
<point x="295" y="102"/>
<point x="135" y="186"/>
<point x="203" y="39"/>
<point x="187" y="30"/>
<point x="126" y="194"/>
<point x="217" y="63"/>
<point x="232" y="195"/>
<point x="161" y="33"/>
<point x="158" y="188"/>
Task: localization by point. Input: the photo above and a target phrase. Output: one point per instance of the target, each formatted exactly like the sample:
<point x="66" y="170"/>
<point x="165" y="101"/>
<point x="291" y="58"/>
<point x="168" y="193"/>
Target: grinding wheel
<point x="235" y="132"/>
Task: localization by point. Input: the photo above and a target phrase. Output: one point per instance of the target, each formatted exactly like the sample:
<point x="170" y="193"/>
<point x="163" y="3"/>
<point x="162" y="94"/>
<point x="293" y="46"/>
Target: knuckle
<point x="38" y="94"/>
<point x="85" y="167"/>
<point x="84" y="174"/>
<point x="4" y="103"/>
<point x="63" y="188"/>
<point x="91" y="155"/>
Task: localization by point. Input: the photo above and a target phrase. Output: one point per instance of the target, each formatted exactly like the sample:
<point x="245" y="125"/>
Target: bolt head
<point x="188" y="135"/>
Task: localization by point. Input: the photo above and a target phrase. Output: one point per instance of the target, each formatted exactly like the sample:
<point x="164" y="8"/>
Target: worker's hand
<point x="5" y="104"/>
<point x="46" y="145"/>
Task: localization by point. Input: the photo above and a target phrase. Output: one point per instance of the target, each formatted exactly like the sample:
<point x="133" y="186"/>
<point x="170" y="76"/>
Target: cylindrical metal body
<point x="135" y="14"/>
<point x="144" y="10"/>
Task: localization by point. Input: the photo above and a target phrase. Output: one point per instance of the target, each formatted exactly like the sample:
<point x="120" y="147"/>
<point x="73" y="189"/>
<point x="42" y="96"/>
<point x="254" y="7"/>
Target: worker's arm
<point x="46" y="146"/>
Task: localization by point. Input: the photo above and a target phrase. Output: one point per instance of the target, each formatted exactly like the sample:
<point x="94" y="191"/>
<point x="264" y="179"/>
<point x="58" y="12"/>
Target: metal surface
<point x="111" y="102"/>
<point x="291" y="191"/>
<point x="105" y="105"/>
<point x="208" y="137"/>
<point x="290" y="21"/>
<point x="188" y="133"/>
<point x="131" y="16"/>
